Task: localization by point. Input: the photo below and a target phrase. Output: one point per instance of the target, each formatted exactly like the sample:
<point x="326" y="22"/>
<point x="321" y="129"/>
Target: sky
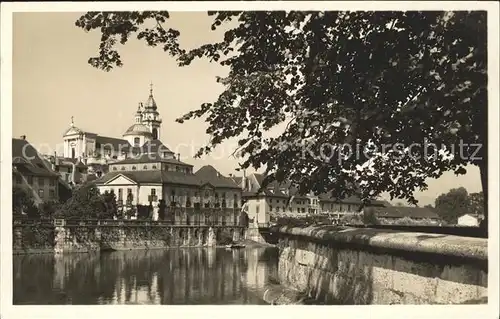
<point x="52" y="82"/>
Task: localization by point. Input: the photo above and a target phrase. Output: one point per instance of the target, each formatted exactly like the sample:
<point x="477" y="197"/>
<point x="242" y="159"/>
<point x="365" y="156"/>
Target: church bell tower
<point x="150" y="115"/>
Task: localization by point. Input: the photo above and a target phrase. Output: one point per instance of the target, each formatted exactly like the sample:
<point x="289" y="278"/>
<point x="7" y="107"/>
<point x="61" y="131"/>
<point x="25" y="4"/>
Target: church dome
<point x="138" y="129"/>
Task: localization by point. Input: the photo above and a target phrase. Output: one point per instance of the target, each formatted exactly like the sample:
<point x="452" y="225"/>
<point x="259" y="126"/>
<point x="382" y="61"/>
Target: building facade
<point x="144" y="172"/>
<point x="283" y="199"/>
<point x="31" y="173"/>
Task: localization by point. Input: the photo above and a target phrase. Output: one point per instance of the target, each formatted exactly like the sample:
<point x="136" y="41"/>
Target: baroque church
<point x="142" y="171"/>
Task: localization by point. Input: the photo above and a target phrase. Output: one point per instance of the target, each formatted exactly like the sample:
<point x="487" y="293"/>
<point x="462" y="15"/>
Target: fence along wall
<point x="62" y="236"/>
<point x="335" y="265"/>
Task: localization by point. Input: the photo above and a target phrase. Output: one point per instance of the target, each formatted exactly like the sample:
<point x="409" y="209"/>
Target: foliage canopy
<point x="335" y="79"/>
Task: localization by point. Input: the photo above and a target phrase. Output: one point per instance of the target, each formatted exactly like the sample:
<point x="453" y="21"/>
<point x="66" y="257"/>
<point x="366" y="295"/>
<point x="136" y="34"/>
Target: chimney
<point x="23" y="137"/>
<point x="178" y="156"/>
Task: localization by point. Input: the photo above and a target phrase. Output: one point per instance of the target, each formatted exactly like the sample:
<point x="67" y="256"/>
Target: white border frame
<point x="7" y="310"/>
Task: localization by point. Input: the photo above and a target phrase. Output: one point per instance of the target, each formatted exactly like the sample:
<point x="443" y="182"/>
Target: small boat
<point x="235" y="246"/>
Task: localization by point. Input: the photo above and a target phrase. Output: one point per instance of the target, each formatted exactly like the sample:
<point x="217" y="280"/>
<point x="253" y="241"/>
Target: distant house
<point x="283" y="199"/>
<point x="396" y="212"/>
<point x="470" y="220"/>
<point x="31" y="172"/>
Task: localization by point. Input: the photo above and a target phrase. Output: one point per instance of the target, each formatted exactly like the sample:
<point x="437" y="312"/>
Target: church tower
<point x="150" y="115"/>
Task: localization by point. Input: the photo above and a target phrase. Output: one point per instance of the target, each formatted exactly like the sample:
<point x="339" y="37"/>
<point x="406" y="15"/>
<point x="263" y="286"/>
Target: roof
<point x="160" y="177"/>
<point x="24" y="151"/>
<point x="237" y="179"/>
<point x="31" y="170"/>
<point x="208" y="174"/>
<point x="155" y="146"/>
<point x="400" y="212"/>
<point x="67" y="161"/>
<point x="111" y="143"/>
<point x="138" y="129"/>
<point x="150" y="103"/>
<point x="150" y="158"/>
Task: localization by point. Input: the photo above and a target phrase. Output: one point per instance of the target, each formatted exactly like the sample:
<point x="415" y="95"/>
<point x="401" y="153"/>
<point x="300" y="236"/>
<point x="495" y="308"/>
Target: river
<point x="181" y="276"/>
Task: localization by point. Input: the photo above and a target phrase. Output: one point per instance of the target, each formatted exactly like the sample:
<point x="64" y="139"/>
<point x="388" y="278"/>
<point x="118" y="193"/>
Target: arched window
<point x="145" y="167"/>
<point x="153" y="167"/>
<point x="137" y="141"/>
<point x="123" y="168"/>
<point x="155" y="134"/>
<point x="134" y="168"/>
<point x="114" y="168"/>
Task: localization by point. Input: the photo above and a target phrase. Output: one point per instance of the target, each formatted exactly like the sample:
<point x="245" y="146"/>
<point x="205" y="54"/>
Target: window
<point x="72" y="152"/>
<point x="134" y="168"/>
<point x="207" y="194"/>
<point x="153" y="191"/>
<point x="114" y="168"/>
<point x="130" y="197"/>
<point x="30" y="180"/>
<point x="120" y="194"/>
<point x="270" y="208"/>
<point x="40" y="193"/>
<point x="235" y="198"/>
<point x="52" y="182"/>
<point x="52" y="193"/>
<point x="123" y="168"/>
<point x="153" y="167"/>
<point x="145" y="167"/>
<point x="137" y="141"/>
<point x="348" y="208"/>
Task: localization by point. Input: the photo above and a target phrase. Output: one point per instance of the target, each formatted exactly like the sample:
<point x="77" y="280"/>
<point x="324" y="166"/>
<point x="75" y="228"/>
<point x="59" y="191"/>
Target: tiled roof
<point x="23" y="149"/>
<point x="400" y="212"/>
<point x="108" y="143"/>
<point x="208" y="174"/>
<point x="27" y="161"/>
<point x="154" y="177"/>
<point x="155" y="146"/>
<point x="31" y="170"/>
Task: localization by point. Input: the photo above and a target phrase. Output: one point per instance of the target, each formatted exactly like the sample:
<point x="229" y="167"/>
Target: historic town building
<point x="32" y="173"/>
<point x="97" y="151"/>
<point x="143" y="172"/>
<point x="283" y="199"/>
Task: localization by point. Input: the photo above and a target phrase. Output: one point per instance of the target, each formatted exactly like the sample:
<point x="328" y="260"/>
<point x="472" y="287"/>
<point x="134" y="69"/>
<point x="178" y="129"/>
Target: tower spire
<point x="151" y="88"/>
<point x="72" y="121"/>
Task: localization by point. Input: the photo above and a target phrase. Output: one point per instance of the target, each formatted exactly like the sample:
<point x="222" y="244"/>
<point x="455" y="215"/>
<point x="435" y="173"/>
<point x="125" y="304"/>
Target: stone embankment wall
<point x="334" y="265"/>
<point x="61" y="238"/>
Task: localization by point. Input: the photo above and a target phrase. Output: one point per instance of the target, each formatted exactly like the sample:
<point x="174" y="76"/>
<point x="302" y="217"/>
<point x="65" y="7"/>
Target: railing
<point x="123" y="223"/>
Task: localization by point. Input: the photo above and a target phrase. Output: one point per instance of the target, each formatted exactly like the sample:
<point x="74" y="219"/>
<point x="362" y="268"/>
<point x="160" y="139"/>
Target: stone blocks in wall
<point x="334" y="271"/>
<point x="60" y="237"/>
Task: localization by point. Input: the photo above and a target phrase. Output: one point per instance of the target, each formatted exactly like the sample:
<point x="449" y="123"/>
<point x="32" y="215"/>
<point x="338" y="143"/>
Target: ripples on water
<point x="175" y="276"/>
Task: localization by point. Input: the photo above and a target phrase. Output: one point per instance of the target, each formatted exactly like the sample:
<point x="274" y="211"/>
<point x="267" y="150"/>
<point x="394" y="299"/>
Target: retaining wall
<point x="335" y="265"/>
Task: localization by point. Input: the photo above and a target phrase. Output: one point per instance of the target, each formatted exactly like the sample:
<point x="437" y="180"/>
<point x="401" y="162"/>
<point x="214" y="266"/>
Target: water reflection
<point x="174" y="276"/>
